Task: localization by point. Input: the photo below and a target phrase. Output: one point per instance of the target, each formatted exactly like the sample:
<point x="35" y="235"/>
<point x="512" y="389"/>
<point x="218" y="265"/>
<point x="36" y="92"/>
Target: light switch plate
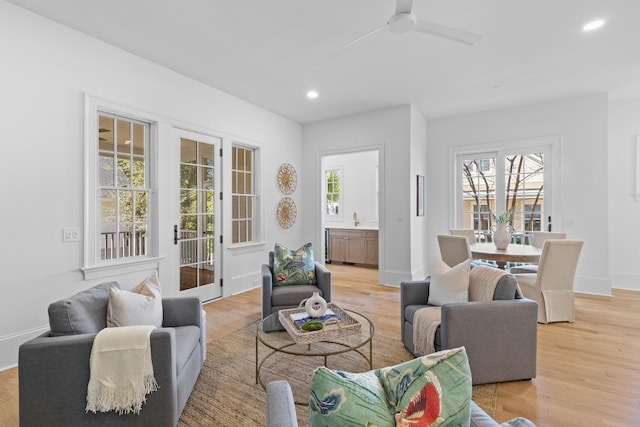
<point x="70" y="234"/>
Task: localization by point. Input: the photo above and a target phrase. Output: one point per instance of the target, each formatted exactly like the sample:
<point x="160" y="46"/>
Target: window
<point x="123" y="208"/>
<point x="120" y="233"/>
<point x="333" y="192"/>
<point x="243" y="182"/>
<point x="515" y="176"/>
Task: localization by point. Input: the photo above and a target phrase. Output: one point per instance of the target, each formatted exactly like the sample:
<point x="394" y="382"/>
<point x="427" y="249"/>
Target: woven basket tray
<point x="332" y="330"/>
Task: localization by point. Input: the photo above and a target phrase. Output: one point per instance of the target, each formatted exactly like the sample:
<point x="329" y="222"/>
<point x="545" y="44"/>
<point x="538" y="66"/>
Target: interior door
<point x="197" y="227"/>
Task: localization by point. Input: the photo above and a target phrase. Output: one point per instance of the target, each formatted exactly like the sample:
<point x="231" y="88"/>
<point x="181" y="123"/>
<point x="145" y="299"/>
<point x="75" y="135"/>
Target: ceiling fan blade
<point x="447" y="32"/>
<point x="342" y="49"/>
<point x="404" y="6"/>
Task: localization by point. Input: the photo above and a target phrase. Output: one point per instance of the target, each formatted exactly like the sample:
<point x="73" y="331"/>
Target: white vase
<point x="502" y="235"/>
<point x="315" y="306"/>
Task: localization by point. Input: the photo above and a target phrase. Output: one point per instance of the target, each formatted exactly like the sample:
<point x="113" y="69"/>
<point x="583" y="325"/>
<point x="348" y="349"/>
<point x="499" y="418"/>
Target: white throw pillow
<point x="140" y="306"/>
<point x="449" y="284"/>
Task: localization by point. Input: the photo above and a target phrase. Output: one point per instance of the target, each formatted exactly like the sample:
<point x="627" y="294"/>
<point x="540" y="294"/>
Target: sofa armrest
<point x="181" y="311"/>
<point x="414" y="292"/>
<point x="53" y="375"/>
<point x="323" y="279"/>
<point x="500" y="337"/>
<point x="281" y="410"/>
<point x="267" y="289"/>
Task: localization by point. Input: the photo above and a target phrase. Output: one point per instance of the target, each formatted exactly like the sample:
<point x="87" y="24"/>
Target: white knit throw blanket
<point x="425" y="323"/>
<point x="121" y="370"/>
<point x="483" y="281"/>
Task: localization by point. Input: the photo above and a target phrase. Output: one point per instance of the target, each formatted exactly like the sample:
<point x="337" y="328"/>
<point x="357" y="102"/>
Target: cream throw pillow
<point x="140" y="306"/>
<point x="449" y="284"/>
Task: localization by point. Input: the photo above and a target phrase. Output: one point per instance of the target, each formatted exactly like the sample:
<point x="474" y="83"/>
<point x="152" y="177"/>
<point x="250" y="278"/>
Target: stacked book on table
<point x="299" y="319"/>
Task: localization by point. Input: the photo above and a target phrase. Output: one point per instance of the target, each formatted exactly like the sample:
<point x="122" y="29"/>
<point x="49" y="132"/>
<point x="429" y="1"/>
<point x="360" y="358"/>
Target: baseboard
<point x="630" y="282"/>
<point x="9" y="345"/>
<point x="394" y="278"/>
<point x="592" y="285"/>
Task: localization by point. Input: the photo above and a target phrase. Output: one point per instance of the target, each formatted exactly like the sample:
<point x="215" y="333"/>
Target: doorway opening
<point x="351" y="207"/>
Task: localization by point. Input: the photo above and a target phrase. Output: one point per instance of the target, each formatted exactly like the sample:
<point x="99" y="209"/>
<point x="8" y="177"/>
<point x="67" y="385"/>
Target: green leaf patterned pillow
<point x="433" y="390"/>
<point x="294" y="267"/>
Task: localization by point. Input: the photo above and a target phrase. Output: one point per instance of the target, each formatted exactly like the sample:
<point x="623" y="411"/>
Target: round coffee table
<point x="278" y="341"/>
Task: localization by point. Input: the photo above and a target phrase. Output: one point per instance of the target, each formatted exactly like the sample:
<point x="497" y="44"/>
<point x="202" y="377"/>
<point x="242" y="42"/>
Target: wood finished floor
<point x="588" y="371"/>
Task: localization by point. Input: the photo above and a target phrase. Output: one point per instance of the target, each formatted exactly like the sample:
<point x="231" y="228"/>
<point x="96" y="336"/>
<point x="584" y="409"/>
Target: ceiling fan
<point x="404" y="20"/>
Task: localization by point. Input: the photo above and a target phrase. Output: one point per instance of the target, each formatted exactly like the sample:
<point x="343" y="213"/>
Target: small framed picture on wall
<point x="420" y="195"/>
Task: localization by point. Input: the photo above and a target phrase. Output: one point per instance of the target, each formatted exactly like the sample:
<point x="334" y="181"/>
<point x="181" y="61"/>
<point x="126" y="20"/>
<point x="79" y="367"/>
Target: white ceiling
<point x="270" y="52"/>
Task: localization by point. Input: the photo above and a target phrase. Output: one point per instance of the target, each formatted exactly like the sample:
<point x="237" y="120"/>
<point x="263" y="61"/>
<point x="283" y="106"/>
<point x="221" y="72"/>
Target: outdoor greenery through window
<point x="243" y="197"/>
<point x="333" y="180"/>
<point x="498" y="183"/>
<point x="123" y="187"/>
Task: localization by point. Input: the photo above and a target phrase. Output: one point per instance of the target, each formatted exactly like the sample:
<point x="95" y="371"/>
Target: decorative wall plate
<point x="287" y="178"/>
<point x="287" y="212"/>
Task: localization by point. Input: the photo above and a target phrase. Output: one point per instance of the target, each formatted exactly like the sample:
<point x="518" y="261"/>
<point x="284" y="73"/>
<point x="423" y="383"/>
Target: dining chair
<point x="552" y="286"/>
<point x="539" y="237"/>
<point x="469" y="233"/>
<point x="453" y="249"/>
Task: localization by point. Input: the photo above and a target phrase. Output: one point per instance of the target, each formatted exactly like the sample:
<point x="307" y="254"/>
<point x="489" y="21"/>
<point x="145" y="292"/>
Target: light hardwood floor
<point x="588" y="371"/>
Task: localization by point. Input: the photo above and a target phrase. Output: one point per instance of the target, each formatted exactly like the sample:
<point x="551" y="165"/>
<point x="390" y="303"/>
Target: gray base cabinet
<point x="353" y="246"/>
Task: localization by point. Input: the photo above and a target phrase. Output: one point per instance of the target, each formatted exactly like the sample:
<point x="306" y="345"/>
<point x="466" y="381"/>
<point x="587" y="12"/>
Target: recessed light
<point x="593" y="25"/>
<point x="312" y="94"/>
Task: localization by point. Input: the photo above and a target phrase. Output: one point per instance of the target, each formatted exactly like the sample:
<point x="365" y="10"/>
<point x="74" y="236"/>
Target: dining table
<point x="513" y="253"/>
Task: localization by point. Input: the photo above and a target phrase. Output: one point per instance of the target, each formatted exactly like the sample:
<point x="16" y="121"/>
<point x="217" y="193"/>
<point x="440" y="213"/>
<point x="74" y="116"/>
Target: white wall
<point x="388" y="131"/>
<point x="358" y="188"/>
<point x="624" y="210"/>
<point x="46" y="69"/>
<point x="418" y="159"/>
<point x="581" y="123"/>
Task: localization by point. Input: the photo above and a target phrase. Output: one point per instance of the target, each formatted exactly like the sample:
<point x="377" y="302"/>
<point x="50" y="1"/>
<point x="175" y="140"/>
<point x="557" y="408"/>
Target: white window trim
<point x="340" y="216"/>
<point x="258" y="209"/>
<point x="549" y="144"/>
<point x="94" y="267"/>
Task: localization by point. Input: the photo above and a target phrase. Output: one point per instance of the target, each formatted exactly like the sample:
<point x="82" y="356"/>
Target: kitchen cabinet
<point x="353" y="246"/>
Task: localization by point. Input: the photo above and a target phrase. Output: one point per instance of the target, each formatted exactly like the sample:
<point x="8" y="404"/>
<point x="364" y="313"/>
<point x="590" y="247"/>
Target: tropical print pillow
<point x="294" y="267"/>
<point x="433" y="390"/>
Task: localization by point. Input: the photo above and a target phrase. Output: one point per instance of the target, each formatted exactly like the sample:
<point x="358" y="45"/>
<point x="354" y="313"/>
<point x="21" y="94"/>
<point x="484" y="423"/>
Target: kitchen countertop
<point x="352" y="227"/>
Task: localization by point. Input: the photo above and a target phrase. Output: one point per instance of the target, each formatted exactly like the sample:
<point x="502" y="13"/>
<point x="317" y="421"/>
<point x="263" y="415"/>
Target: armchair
<point x="275" y="298"/>
<point x="500" y="336"/>
<point x="54" y="372"/>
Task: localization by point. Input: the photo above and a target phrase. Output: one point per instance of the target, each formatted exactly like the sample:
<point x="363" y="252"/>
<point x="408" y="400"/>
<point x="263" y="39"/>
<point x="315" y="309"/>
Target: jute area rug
<point x="226" y="393"/>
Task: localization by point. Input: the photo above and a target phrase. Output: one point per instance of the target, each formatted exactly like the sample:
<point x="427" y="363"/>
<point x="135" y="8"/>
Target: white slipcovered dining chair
<point x="453" y="249"/>
<point x="539" y="237"/>
<point x="552" y="286"/>
<point x="469" y="233"/>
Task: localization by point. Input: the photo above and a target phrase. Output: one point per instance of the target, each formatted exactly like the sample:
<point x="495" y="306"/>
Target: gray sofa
<point x="281" y="410"/>
<point x="54" y="372"/>
<point x="500" y="336"/>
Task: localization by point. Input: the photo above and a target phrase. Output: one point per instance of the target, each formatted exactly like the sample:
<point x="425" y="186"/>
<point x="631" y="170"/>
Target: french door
<point x="197" y="223"/>
<point x="509" y="178"/>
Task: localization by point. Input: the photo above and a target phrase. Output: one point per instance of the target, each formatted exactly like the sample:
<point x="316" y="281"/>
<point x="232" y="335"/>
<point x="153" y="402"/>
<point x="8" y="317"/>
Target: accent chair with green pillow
<point x="433" y="390"/>
<point x="291" y="276"/>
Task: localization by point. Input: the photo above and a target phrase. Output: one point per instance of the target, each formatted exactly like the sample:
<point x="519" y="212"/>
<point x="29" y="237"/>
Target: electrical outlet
<point x="70" y="234"/>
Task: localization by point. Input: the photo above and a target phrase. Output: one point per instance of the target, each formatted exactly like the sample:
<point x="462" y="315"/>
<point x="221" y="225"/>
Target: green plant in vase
<point x="501" y="228"/>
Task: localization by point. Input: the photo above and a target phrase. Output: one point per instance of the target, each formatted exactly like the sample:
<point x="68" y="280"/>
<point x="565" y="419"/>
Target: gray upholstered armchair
<point x="54" y="372"/>
<point x="500" y="336"/>
<point x="276" y="298"/>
